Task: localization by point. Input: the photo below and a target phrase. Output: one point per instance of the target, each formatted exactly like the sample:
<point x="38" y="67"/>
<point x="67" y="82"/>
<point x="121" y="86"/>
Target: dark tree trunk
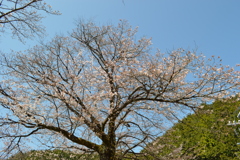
<point x="108" y="154"/>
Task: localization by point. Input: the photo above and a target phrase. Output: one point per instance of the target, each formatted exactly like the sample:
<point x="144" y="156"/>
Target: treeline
<point x="53" y="154"/>
<point x="204" y="135"/>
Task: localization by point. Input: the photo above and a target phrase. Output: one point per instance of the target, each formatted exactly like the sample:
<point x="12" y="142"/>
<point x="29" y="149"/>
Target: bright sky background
<point x="211" y="27"/>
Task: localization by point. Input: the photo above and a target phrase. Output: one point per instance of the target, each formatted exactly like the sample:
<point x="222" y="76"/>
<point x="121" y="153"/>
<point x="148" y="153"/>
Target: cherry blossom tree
<point x="22" y="17"/>
<point x="101" y="90"/>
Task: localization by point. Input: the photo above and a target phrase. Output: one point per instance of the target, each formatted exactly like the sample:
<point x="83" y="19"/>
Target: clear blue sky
<point x="213" y="27"/>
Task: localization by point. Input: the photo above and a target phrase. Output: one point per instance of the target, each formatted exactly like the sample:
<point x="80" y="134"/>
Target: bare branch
<point x="23" y="18"/>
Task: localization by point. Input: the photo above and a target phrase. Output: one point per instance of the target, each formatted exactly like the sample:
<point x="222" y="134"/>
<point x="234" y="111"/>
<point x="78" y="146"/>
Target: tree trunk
<point x="108" y="154"/>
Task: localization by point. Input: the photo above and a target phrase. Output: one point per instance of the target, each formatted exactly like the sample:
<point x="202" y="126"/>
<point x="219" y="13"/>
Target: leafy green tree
<point x="204" y="135"/>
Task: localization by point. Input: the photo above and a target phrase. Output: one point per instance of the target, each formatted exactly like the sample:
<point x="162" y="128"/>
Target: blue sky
<point x="211" y="27"/>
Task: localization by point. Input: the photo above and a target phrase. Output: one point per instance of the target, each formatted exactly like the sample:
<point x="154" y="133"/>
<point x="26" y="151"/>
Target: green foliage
<point x="52" y="154"/>
<point x="202" y="136"/>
